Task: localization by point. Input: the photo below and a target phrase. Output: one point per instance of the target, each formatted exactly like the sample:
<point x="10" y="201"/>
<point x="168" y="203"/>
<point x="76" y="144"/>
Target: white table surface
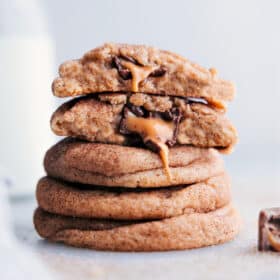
<point x="238" y="259"/>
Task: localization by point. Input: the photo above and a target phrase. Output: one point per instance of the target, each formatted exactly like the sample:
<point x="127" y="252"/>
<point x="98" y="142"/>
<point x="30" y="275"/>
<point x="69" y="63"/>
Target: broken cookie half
<point x="138" y="68"/>
<point x="130" y="119"/>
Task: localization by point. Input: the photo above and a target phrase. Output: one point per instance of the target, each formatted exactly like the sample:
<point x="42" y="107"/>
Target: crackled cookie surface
<point x="138" y="68"/>
<point x="77" y="200"/>
<point x="181" y="232"/>
<point x="114" y="165"/>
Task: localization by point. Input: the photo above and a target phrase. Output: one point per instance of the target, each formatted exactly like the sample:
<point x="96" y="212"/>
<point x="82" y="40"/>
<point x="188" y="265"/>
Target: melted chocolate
<point x="191" y="100"/>
<point x="136" y="110"/>
<point x="159" y="72"/>
<point x="123" y="72"/>
<point x="130" y="59"/>
<point x="122" y="128"/>
<point x="126" y="73"/>
<point x="153" y="146"/>
<point x="176" y="118"/>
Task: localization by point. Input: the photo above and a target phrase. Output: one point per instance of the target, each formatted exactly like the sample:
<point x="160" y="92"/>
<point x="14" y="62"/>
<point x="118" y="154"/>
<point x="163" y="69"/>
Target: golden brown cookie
<point x="138" y="68"/>
<point x="113" y="165"/>
<point x="98" y="118"/>
<point x="181" y="232"/>
<point x="132" y="204"/>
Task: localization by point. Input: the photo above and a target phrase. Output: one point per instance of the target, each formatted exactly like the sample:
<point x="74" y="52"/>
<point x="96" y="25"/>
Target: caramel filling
<point x="155" y="130"/>
<point x="273" y="238"/>
<point x="138" y="73"/>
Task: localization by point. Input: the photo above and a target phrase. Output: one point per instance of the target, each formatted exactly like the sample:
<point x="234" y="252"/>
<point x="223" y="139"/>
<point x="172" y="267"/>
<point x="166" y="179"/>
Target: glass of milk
<point x="26" y="73"/>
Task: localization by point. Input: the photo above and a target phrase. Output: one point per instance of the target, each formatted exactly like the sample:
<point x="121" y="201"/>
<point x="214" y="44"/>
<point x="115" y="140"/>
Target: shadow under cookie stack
<point x="140" y="168"/>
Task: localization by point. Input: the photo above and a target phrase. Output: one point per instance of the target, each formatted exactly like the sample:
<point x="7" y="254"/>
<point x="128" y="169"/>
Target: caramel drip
<point x="139" y="73"/>
<point x="217" y="104"/>
<point x="155" y="130"/>
<point x="164" y="155"/>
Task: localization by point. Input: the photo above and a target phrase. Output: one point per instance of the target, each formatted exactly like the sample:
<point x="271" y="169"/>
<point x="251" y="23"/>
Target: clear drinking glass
<point x="26" y="72"/>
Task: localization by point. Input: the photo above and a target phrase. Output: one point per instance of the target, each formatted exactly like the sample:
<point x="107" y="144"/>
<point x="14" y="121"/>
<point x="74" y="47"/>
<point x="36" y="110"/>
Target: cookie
<point x="138" y="68"/>
<point x="181" y="232"/>
<point x="120" y="166"/>
<point x="98" y="118"/>
<point x="125" y="204"/>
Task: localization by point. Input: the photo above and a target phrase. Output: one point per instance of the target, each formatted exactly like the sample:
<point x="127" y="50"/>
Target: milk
<point x="26" y="73"/>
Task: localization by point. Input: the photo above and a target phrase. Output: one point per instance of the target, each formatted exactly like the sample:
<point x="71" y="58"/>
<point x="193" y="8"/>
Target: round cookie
<point x="181" y="232"/>
<point x="132" y="204"/>
<point x="121" y="166"/>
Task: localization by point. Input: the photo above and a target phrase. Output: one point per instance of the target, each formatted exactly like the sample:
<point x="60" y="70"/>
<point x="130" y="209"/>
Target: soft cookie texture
<point x="97" y="118"/>
<point x="122" y="204"/>
<point x="121" y="166"/>
<point x="106" y="69"/>
<point x="181" y="232"/>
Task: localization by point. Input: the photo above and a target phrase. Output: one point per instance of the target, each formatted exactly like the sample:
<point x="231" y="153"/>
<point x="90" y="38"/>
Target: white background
<point x="239" y="38"/>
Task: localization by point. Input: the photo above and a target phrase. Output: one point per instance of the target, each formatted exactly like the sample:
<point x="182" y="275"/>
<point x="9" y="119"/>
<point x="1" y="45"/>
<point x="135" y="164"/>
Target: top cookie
<point x="139" y="68"/>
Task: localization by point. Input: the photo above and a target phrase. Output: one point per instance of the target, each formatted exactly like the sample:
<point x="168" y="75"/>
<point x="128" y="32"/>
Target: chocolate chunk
<point x="171" y="142"/>
<point x="126" y="73"/>
<point x="191" y="100"/>
<point x="130" y="59"/>
<point x="134" y="140"/>
<point x="172" y="114"/>
<point x="159" y="72"/>
<point x="176" y="118"/>
<point x="269" y="230"/>
<point x="168" y="115"/>
<point x="123" y="72"/>
<point x="154" y="114"/>
<point x="122" y="127"/>
<point x="153" y="146"/>
<point x="136" y="110"/>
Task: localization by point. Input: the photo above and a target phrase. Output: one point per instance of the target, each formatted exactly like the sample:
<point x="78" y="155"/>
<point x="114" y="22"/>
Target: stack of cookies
<point x="140" y="168"/>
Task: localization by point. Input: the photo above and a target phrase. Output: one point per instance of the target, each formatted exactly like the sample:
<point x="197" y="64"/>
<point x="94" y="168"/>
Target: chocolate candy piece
<point x="269" y="230"/>
<point x="130" y="59"/>
<point x="123" y="72"/>
<point x="158" y="72"/>
<point x="126" y="74"/>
